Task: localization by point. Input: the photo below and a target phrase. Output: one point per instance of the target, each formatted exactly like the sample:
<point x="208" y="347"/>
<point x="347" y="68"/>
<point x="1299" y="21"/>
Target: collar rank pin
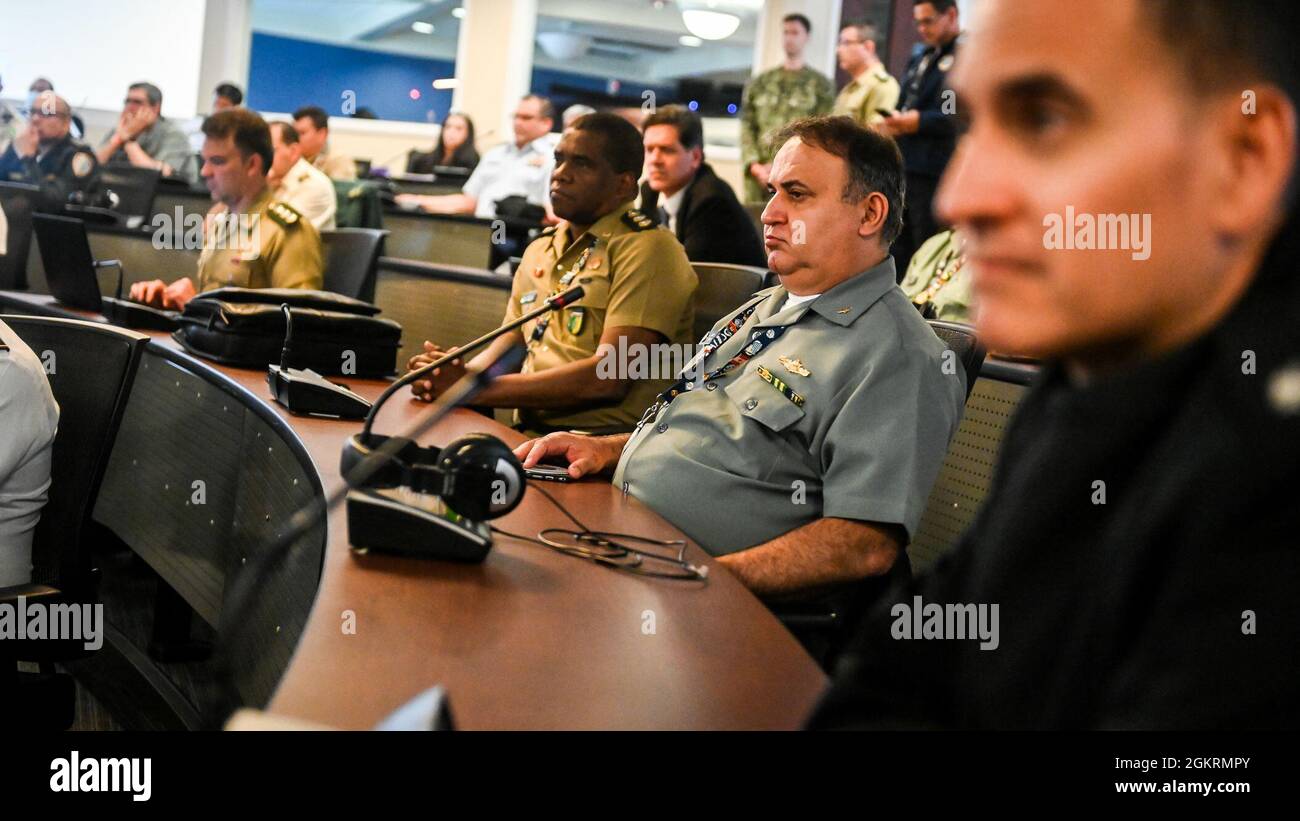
<point x="794" y="366"/>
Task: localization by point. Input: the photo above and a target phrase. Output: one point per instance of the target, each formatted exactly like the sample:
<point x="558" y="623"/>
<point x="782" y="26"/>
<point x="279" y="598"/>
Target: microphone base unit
<point x="310" y="394"/>
<point x="382" y="524"/>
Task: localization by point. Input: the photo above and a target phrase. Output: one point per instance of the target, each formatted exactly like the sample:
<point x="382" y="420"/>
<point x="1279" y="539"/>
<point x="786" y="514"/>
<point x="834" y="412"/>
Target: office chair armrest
<point x="28" y="591"/>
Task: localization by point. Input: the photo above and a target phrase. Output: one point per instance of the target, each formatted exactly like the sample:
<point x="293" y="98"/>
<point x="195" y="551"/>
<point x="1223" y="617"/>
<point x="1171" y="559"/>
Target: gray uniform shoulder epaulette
<point x="284" y="214"/>
<point x="637" y="221"/>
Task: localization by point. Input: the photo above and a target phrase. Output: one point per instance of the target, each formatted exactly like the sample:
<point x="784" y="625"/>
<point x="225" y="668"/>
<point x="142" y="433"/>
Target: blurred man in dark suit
<point x="682" y="193"/>
<point x="925" y="124"/>
<point x="1138" y="544"/>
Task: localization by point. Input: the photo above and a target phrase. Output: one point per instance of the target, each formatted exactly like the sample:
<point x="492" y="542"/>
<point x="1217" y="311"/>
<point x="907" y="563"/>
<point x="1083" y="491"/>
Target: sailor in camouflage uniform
<point x="775" y="98"/>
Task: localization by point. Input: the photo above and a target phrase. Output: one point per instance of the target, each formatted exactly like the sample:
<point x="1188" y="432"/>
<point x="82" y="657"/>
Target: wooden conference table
<point x="530" y="638"/>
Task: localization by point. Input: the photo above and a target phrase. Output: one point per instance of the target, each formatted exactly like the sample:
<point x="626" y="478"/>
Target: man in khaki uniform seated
<point x="298" y="183"/>
<point x="639" y="292"/>
<point x="313" y="127"/>
<point x="872" y="89"/>
<point x="251" y="240"/>
<point x="801" y="445"/>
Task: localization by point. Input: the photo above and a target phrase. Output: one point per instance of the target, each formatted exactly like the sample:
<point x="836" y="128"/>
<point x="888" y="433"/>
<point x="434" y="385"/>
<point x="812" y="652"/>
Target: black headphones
<point x="478" y="476"/>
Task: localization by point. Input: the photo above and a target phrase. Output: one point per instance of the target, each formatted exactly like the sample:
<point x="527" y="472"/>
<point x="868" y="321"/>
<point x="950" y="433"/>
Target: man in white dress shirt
<point x="522" y="168"/>
<point x="299" y="183"/>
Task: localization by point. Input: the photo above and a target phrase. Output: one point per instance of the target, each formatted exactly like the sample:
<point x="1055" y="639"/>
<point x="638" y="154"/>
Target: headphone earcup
<point x="486" y="478"/>
<point x="358" y="448"/>
<point x="355" y="449"/>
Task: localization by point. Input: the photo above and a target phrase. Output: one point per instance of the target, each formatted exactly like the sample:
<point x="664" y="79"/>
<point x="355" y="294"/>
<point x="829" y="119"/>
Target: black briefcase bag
<point x="332" y="334"/>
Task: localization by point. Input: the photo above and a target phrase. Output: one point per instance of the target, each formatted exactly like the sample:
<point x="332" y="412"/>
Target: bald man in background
<point x="45" y="154"/>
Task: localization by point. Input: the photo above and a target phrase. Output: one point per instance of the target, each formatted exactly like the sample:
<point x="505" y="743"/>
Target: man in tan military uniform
<point x="312" y="124"/>
<point x="872" y="89"/>
<point x="251" y="240"/>
<point x="639" y="293"/>
<point x="298" y="183"/>
<point x="280" y="249"/>
<point x="938" y="281"/>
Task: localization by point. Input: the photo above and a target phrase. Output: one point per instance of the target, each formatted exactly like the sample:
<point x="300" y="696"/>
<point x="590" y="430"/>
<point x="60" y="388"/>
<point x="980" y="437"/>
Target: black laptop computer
<point x="70" y="272"/>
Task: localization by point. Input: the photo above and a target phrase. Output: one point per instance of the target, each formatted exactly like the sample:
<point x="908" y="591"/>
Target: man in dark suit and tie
<point x="684" y="195"/>
<point x="925" y="125"/>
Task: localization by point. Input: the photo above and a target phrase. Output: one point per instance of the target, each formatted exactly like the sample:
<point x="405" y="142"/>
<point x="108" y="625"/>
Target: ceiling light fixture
<point x="421" y="27"/>
<point x="563" y="45"/>
<point x="710" y="25"/>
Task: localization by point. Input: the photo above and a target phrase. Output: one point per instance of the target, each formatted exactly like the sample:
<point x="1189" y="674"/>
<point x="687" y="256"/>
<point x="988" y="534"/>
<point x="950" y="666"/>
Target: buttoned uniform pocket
<point x="767" y="442"/>
<point x="763" y="403"/>
<point x="594" y="302"/>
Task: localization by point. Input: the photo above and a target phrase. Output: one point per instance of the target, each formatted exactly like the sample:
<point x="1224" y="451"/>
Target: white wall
<point x="99" y="48"/>
<point x="93" y="50"/>
<point x="820" y="54"/>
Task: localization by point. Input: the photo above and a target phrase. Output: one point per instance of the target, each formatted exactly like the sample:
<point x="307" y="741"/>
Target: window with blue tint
<point x="287" y="73"/>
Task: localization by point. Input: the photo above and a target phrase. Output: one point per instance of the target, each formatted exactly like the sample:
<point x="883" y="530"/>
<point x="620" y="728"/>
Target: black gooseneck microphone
<point x="288" y="336"/>
<point x="254" y="574"/>
<point x="554" y="303"/>
<point x="305" y="391"/>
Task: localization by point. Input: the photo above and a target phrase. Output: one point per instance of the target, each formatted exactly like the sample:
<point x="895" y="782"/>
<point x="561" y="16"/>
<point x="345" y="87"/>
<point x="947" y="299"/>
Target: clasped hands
<point x="443" y="377"/>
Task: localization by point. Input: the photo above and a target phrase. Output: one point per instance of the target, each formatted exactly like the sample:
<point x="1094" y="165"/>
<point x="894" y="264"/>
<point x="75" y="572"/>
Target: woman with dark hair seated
<point x="455" y="148"/>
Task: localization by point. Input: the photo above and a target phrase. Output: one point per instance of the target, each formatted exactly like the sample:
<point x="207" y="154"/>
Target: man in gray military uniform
<point x="145" y="139"/>
<point x="801" y="445"/>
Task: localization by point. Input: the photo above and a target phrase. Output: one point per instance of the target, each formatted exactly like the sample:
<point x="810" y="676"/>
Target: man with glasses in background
<point x="925" y="125"/>
<point x="145" y="139"/>
<point x="871" y="90"/>
<point x="45" y="154"/>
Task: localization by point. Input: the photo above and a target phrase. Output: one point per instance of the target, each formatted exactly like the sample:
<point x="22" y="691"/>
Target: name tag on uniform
<point x="528" y="298"/>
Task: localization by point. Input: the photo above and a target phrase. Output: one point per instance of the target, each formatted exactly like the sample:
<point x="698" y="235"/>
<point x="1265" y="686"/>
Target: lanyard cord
<point x="539" y="330"/>
<point x="759" y="339"/>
